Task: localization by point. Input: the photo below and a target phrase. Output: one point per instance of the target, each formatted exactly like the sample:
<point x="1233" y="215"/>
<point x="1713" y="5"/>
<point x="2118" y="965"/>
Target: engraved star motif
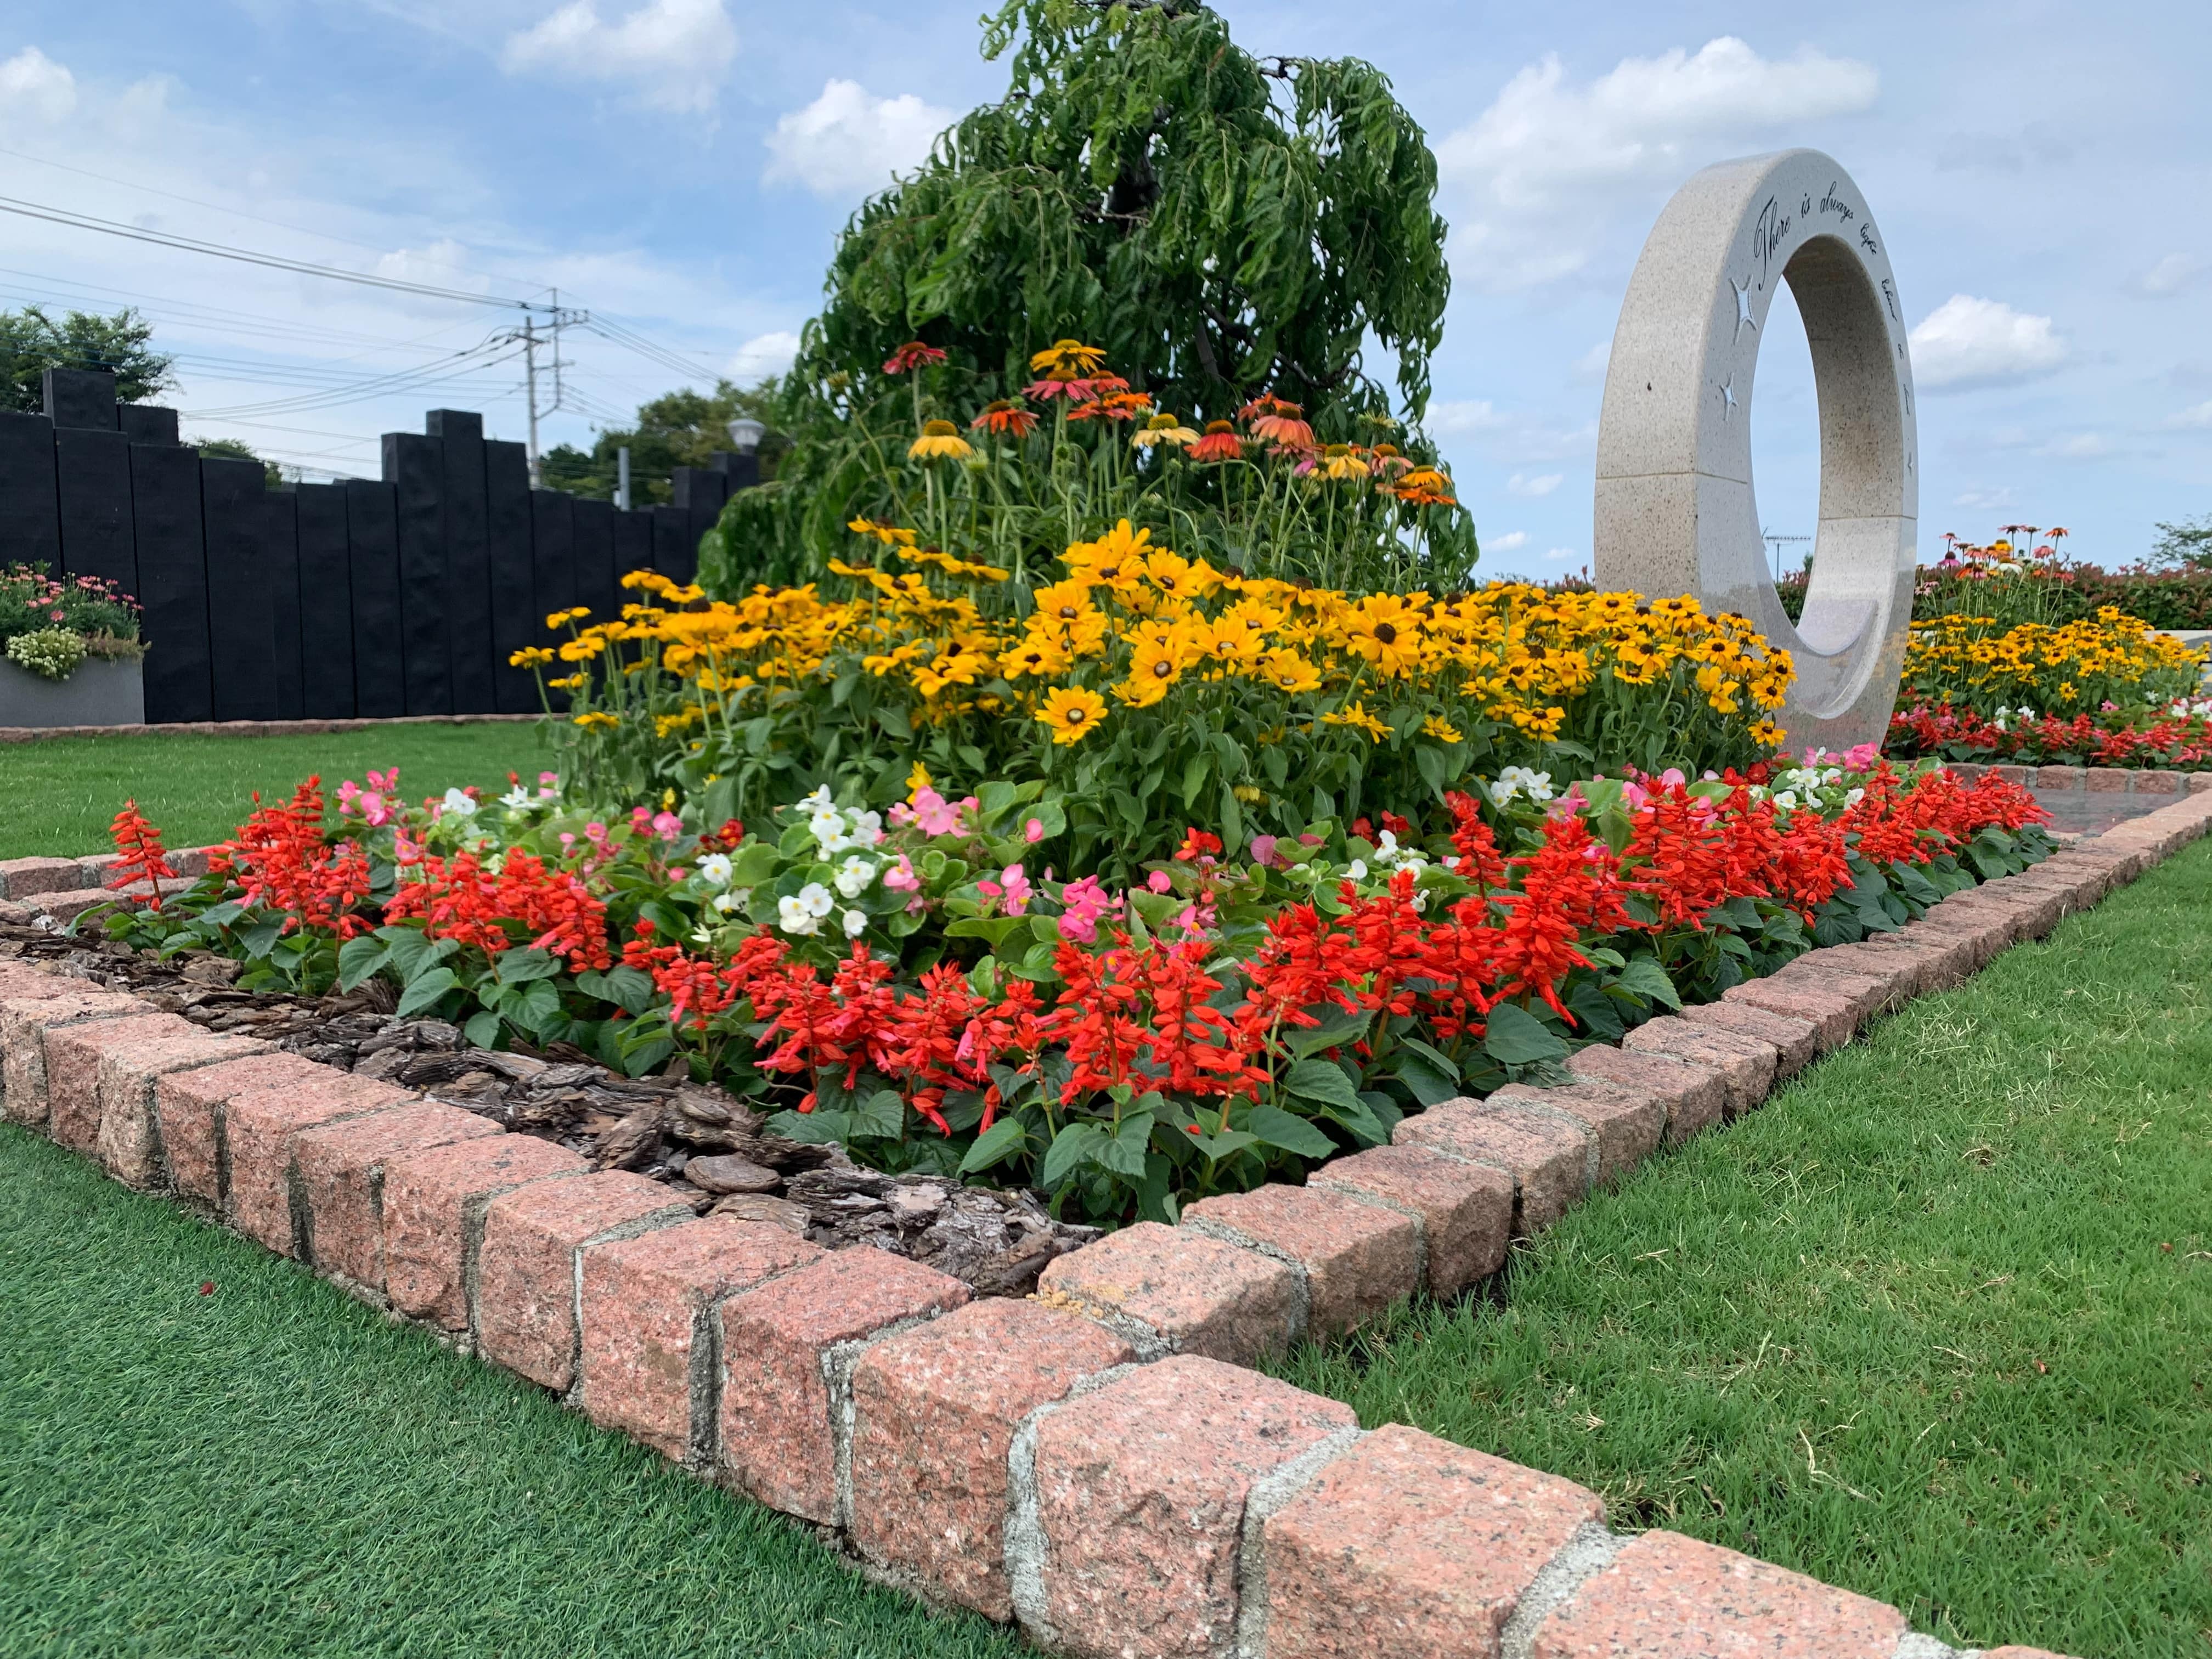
<point x="1728" y="396"/>
<point x="1743" y="318"/>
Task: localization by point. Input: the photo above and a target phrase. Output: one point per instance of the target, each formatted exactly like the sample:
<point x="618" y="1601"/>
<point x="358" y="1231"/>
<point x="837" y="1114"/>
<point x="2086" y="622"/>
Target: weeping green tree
<point x="1221" y="224"/>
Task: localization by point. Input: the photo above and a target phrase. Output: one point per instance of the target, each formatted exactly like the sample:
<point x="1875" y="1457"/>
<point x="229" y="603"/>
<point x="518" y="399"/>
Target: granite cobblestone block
<point x="1746" y="1064"/>
<point x="1169" y="1290"/>
<point x="1695" y="1096"/>
<point x="434" y="1208"/>
<point x="1627" y="1124"/>
<point x="1356" y="1258"/>
<point x="341" y="1170"/>
<point x="1550" y="1157"/>
<point x="73" y="1055"/>
<point x="26" y="1020"/>
<point x="1464" y="1211"/>
<point x="255" y="1149"/>
<point x="129" y="1075"/>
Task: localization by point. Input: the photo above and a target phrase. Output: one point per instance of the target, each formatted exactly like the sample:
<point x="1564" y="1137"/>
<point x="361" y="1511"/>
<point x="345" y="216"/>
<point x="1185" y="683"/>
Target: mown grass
<point x="58" y="796"/>
<point x="1935" y="1325"/>
<point x="272" y="1468"/>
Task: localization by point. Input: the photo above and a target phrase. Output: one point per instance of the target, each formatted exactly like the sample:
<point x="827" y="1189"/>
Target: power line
<point x="273" y="261"/>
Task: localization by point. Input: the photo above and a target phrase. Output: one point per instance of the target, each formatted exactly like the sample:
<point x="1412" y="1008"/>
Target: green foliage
<point x="2188" y="544"/>
<point x="237" y="449"/>
<point x="1926" y="1326"/>
<point x="678" y="428"/>
<point x="1219" y="223"/>
<point x="32" y="342"/>
<point x="51" y="654"/>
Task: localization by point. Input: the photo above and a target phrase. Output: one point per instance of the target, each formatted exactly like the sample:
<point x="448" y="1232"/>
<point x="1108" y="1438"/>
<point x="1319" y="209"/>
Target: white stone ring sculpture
<point x="1675" y="511"/>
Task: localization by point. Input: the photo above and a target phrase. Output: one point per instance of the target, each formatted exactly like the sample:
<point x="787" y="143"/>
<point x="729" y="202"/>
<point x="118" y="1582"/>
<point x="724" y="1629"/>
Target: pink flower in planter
<point x="901" y="878"/>
<point x="1159" y="881"/>
<point x="667" y="826"/>
<point x="1033" y="830"/>
<point x="1012" y="885"/>
<point x="1263" y="850"/>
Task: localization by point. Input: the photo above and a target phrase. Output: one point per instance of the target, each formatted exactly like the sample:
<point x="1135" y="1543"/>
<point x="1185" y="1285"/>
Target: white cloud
<point x="675" y="53"/>
<point x="32" y="83"/>
<point x="2169" y="276"/>
<point x="1505" y="544"/>
<point x="1454" y="416"/>
<point x="763" y="355"/>
<point x="1533" y="175"/>
<point x="1968" y="342"/>
<point x="2081" y="447"/>
<point x="1985" y="501"/>
<point x="1561" y="555"/>
<point x="1590" y="367"/>
<point x="1542" y="484"/>
<point x="2199" y="418"/>
<point x="848" y="141"/>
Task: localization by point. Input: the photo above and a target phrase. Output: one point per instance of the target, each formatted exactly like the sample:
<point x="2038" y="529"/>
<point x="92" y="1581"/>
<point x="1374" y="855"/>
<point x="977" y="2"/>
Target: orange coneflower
<point x="1278" y="423"/>
<point x="1003" y="418"/>
<point x="1267" y="403"/>
<point x="1113" y="406"/>
<point x="913" y="355"/>
<point x="1220" y="443"/>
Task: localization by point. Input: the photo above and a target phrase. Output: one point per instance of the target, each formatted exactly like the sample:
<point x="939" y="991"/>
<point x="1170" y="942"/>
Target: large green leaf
<point x="1289" y="1133"/>
<point x="1320" y="1080"/>
<point x="1514" y="1036"/>
<point x="424" y="989"/>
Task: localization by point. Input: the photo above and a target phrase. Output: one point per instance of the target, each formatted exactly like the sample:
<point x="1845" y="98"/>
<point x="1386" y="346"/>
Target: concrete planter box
<point x="103" y="691"/>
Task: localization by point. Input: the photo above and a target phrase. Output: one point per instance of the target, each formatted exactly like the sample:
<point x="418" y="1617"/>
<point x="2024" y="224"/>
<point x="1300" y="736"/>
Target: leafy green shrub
<point x="51" y="652"/>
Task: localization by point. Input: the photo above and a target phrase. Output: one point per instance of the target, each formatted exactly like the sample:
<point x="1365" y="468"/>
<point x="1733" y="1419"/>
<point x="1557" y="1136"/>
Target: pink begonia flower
<point x="1673" y="775"/>
<point x="667" y="826"/>
<point x="1263" y="849"/>
<point x="1309" y="840"/>
<point x="933" y="814"/>
<point x="1019" y="891"/>
<point x="1033" y="830"/>
<point x="901" y="878"/>
<point x="1084" y="903"/>
<point x="1159" y="881"/>
<point x="1634" y="792"/>
<point x="1861" y="756"/>
<point x="404" y="851"/>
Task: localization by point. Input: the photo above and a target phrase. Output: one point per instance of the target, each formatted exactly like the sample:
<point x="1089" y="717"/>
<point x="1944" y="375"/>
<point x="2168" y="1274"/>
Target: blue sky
<point x="684" y="166"/>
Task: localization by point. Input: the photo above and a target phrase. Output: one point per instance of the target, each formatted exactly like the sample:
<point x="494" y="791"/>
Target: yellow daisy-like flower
<point x="531" y="656"/>
<point x="1164" y="430"/>
<point x="558" y="617"/>
<point x="1355" y="714"/>
<point x="596" y="721"/>
<point x="1032" y="657"/>
<point x="1442" y="730"/>
<point x="917" y="781"/>
<point x="570" y="683"/>
<point x="1290" y="672"/>
<point x="939" y="440"/>
<point x="1071" y="712"/>
<point x="1343" y="461"/>
<point x="1067" y="360"/>
<point x="1386" y="630"/>
<point x="1766" y="734"/>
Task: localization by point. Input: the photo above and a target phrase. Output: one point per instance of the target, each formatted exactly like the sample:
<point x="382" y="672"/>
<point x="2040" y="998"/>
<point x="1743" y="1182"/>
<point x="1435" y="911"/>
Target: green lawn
<point x="1935" y="1325"/>
<point x="274" y="1469"/>
<point x="57" y="797"/>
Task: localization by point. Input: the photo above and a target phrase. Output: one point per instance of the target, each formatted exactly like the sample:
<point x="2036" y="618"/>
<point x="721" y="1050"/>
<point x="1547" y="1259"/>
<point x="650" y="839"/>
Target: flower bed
<point x="2179" y="737"/>
<point x="51" y="625"/>
<point x="912" y="991"/>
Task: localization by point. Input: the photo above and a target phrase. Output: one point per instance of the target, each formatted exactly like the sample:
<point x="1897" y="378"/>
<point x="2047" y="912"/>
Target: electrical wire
<point x="273" y="261"/>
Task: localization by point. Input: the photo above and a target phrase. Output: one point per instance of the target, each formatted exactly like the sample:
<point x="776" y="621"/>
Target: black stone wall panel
<point x="468" y="561"/>
<point x="326" y="611"/>
<point x="241" y="629"/>
<point x="675" y="549"/>
<point x="416" y="468"/>
<point x="30" y="512"/>
<point x="92" y="476"/>
<point x="379" y="655"/>
<point x="146" y="424"/>
<point x="594" y="587"/>
<point x="171" y="547"/>
<point x="278" y="526"/>
<point x="633" y="551"/>
<point x="82" y="397"/>
<point x="517" y="616"/>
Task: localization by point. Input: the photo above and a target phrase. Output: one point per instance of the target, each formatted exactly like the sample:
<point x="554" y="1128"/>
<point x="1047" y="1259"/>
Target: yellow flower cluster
<point x="1133" y="624"/>
<point x="1971" y="661"/>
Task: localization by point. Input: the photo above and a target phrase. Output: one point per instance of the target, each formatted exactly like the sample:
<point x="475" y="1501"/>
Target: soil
<point x="706" y="1145"/>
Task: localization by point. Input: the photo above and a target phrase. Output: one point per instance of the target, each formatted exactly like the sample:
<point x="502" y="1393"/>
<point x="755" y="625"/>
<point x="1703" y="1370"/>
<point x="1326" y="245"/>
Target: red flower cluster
<point x="283" y="859"/>
<point x="140" y="854"/>
<point x="523" y="900"/>
<point x="2174" y="740"/>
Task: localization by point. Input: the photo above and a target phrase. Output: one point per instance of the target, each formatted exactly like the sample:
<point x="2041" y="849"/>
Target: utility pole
<point x="1776" y="542"/>
<point x="530" y="339"/>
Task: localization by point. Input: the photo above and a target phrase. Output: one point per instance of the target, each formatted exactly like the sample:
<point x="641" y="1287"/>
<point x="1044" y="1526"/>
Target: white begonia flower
<point x="815" y="897"/>
<point x="856" y="922"/>
<point x="1854" y="797"/>
<point x="793" y="917"/>
<point x="518" y="798"/>
<point x="1357" y="870"/>
<point x="867" y="828"/>
<point x="854" y="876"/>
<point x="727" y="902"/>
<point x="1500" y="792"/>
<point x="1786" y="800"/>
<point x="460" y="805"/>
<point x="714" y="869"/>
<point x="1521" y="780"/>
<point x="828" y="827"/>
<point x="819" y="801"/>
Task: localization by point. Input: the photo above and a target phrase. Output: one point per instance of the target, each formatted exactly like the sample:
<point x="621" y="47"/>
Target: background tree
<point x="678" y="428"/>
<point x="2188" y="544"/>
<point x="238" y="450"/>
<point x="32" y="342"/>
<point x="1221" y="224"/>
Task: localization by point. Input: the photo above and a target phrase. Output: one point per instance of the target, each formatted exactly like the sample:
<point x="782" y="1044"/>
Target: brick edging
<point x="248" y="728"/>
<point x="2091" y="780"/>
<point x="1096" y="1462"/>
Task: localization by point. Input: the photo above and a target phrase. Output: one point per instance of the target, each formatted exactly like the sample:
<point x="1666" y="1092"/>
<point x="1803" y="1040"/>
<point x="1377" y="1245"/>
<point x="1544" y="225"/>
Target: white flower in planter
<point x="855" y="876"/>
<point x="802" y="913"/>
<point x="714" y="869"/>
<point x="458" y="805"/>
<point x="856" y="922"/>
